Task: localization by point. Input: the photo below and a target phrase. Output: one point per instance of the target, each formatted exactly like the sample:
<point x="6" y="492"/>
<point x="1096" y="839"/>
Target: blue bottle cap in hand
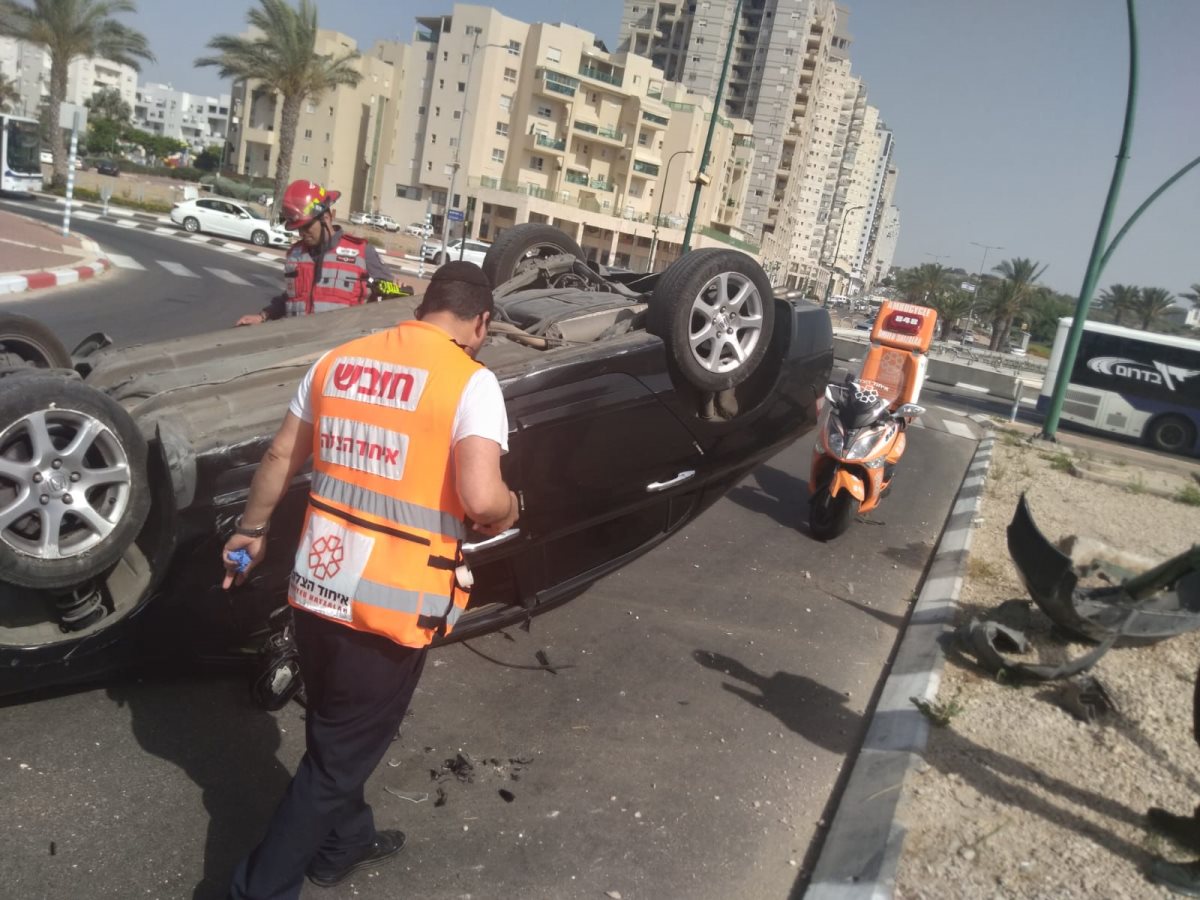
<point x="241" y="557"/>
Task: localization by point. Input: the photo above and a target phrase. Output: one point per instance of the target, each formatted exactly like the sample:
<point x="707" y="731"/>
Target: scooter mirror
<point x="831" y="393"/>
<point x="910" y="410"/>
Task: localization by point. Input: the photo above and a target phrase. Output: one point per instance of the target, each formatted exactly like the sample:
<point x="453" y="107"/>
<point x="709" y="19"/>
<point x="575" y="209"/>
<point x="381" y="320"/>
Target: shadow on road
<point x="780" y="495"/>
<point x="810" y="709"/>
<point x="226" y="746"/>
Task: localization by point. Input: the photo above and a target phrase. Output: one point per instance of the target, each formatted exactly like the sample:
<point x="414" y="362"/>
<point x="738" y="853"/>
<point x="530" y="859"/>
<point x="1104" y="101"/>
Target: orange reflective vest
<point x="342" y="281"/>
<point x="384" y="527"/>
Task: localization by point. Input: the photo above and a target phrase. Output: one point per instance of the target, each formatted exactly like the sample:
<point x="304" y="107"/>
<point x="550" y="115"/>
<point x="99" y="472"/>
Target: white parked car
<point x="230" y="218"/>
<point x="387" y="223"/>
<point x="416" y="229"/>
<point x="473" y="252"/>
<point x="360" y="218"/>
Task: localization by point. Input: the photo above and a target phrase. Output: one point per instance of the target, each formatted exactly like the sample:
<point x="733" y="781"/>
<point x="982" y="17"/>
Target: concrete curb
<point x="861" y="852"/>
<point x="29" y="281"/>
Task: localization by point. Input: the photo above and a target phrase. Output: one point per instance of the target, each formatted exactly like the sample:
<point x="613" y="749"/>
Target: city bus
<point x="20" y="156"/>
<point x="1137" y="384"/>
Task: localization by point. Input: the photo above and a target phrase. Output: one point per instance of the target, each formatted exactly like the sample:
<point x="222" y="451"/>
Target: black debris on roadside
<point x="544" y="660"/>
<point x="53" y="848"/>
<point x="441" y="797"/>
<point x="507" y="796"/>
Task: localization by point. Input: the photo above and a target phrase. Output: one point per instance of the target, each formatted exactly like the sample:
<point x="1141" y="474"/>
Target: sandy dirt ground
<point x="1017" y="798"/>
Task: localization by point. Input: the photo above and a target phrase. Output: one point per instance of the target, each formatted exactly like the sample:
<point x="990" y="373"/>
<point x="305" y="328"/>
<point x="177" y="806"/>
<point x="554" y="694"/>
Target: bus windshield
<point x="23" y="143"/>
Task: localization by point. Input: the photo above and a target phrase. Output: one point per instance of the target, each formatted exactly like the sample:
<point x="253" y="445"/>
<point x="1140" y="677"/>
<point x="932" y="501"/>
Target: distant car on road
<point x="473" y="252"/>
<point x="969" y="337"/>
<point x="219" y="215"/>
<point x="865" y="324"/>
<point x="387" y="223"/>
<point x="108" y="167"/>
<point x="416" y="229"/>
<point x="360" y="218"/>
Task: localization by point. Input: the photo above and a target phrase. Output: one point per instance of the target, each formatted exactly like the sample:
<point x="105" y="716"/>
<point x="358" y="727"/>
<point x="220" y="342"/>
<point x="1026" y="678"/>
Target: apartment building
<point x="341" y="136"/>
<point x="29" y="66"/>
<point x="510" y="122"/>
<point x="198" y="120"/>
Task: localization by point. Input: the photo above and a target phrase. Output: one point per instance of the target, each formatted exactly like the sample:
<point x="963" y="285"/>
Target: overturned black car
<point x="635" y="402"/>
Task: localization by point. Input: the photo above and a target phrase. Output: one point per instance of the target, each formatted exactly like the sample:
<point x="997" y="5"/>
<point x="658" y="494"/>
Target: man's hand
<point x="252" y="319"/>
<point x="256" y="547"/>
<point x="514" y="513"/>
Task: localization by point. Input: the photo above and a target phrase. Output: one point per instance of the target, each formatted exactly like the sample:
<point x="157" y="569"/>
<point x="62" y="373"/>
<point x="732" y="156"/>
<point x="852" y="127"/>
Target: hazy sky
<point x="1007" y="116"/>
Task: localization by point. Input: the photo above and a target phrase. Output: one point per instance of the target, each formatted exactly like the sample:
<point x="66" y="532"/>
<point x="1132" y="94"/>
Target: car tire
<point x="520" y="244"/>
<point x="1171" y="434"/>
<point x="27" y="342"/>
<point x="259" y="238"/>
<point x="191" y="224"/>
<point x="45" y="417"/>
<point x="828" y="516"/>
<point x="697" y="294"/>
<point x="441" y="259"/>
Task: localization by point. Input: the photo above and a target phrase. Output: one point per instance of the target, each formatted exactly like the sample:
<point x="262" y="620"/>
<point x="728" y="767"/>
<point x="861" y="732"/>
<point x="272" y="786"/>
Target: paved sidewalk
<point x="34" y="255"/>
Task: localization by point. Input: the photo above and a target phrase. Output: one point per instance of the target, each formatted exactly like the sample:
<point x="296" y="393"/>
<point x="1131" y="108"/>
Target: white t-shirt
<point x="480" y="410"/>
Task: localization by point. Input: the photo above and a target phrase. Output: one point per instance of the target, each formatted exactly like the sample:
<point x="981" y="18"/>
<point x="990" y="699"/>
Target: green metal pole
<point x="712" y="125"/>
<point x="1141" y="209"/>
<point x="1092" y="275"/>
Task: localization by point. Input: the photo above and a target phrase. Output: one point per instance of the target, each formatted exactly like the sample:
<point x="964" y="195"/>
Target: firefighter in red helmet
<point x="326" y="269"/>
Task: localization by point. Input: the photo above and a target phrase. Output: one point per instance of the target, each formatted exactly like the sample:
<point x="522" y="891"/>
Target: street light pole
<point x="837" y="251"/>
<point x="978" y="285"/>
<point x="661" y="196"/>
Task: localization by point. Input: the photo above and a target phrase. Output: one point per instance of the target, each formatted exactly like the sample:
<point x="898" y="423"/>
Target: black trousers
<point x="359" y="686"/>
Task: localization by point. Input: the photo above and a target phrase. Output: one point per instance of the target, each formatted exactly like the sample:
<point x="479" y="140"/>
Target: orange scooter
<point x="860" y="437"/>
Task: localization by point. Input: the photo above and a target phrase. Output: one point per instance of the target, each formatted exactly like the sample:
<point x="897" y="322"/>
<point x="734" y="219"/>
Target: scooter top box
<point x="904" y="326"/>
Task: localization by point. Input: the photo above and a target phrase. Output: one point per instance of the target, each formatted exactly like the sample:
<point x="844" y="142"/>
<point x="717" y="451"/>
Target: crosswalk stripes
<point x="177" y="268"/>
<point x="226" y="275"/>
<point x="125" y="223"/>
<point x="124" y="262"/>
<point x="166" y="231"/>
<point x="958" y="429"/>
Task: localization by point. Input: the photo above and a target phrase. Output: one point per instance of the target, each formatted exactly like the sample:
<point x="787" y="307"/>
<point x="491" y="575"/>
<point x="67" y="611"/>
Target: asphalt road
<point x="161" y="286"/>
<point x="705" y="705"/>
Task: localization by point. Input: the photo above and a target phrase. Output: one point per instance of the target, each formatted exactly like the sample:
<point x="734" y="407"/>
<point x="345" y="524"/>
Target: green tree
<point x="951" y="306"/>
<point x="1043" y="313"/>
<point x="1016" y="292"/>
<point x="1192" y="296"/>
<point x="9" y="95"/>
<point x="924" y="284"/>
<point x="1119" y="301"/>
<point x="68" y="29"/>
<point x="155" y="145"/>
<point x="284" y="59"/>
<point x="209" y="159"/>
<point x="107" y="103"/>
<point x="1151" y="304"/>
<point x="103" y="135"/>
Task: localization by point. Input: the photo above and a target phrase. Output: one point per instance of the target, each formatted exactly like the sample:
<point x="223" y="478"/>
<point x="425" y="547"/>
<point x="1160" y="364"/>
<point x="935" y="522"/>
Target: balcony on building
<point x="545" y="142"/>
<point x="654" y="118"/>
<point x="645" y="169"/>
<point x="598" y="70"/>
<point x="600" y="132"/>
<point x="576" y="177"/>
<point x="556" y="83"/>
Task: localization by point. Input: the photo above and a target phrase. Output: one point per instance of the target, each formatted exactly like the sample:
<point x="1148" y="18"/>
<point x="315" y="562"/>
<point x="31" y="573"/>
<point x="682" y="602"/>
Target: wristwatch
<point x="256" y="532"/>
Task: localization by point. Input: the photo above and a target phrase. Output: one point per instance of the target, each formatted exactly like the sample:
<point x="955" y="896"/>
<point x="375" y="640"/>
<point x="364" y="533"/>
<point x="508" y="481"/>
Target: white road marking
<point x="124" y="262"/>
<point x="166" y="231"/>
<point x="125" y="223"/>
<point x="177" y="268"/>
<point x="226" y="275"/>
<point x="971" y="387"/>
<point x="84" y="214"/>
<point x="959" y="429"/>
<point x="231" y="246"/>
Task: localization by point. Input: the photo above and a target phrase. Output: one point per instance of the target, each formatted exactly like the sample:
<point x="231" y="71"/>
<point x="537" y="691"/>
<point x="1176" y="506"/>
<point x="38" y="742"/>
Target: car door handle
<point x="655" y="486"/>
<point x="494" y="541"/>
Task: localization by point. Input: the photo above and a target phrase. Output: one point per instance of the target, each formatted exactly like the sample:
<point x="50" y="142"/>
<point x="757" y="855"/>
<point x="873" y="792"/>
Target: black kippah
<point x="466" y="272"/>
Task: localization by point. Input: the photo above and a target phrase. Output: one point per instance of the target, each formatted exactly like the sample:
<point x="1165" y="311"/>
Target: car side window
<point x="206" y="204"/>
<point x="475" y="245"/>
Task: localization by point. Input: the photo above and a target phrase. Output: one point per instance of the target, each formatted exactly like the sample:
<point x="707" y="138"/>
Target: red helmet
<point x="304" y="201"/>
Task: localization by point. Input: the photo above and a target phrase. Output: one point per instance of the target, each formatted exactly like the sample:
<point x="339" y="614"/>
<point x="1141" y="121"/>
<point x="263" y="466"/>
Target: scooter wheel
<point x="830" y="516"/>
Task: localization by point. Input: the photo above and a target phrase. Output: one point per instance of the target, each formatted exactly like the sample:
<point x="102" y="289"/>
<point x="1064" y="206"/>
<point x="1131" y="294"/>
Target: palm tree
<point x="1193" y="295"/>
<point x="284" y="59"/>
<point x="951" y="306"/>
<point x="923" y="284"/>
<point x="1017" y="291"/>
<point x="1119" y="300"/>
<point x="69" y="29"/>
<point x="9" y="95"/>
<point x="1151" y="304"/>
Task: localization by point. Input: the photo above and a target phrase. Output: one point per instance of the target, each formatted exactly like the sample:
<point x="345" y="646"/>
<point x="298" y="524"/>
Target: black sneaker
<point x="1183" y="830"/>
<point x="1182" y="878"/>
<point x="386" y="843"/>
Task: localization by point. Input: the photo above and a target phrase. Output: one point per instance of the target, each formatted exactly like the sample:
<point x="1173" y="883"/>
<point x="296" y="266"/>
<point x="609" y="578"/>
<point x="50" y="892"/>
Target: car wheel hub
<point x="726" y="322"/>
<point x="64" y="483"/>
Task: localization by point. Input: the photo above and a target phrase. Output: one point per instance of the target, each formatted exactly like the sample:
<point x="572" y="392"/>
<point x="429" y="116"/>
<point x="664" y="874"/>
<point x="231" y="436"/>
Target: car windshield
<point x="259" y="212"/>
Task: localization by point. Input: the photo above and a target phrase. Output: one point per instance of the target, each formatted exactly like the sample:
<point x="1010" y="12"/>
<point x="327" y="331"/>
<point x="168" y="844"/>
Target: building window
<point x="420" y="110"/>
<point x="433" y="139"/>
<point x="441" y="84"/>
<point x="545" y="111"/>
<point x="458" y="114"/>
<point x="537" y="163"/>
<point x="462" y="87"/>
<point x="466" y="58"/>
<point x="497" y="155"/>
<point x="514" y="48"/>
<point x="308" y="134"/>
<point x="506" y="101"/>
<point x="643" y="139"/>
<point x="510" y="75"/>
<point x="553" y="54"/>
<point x="331" y="112"/>
<point x="327" y="137"/>
<point x="502" y="128"/>
<point x="304" y="159"/>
